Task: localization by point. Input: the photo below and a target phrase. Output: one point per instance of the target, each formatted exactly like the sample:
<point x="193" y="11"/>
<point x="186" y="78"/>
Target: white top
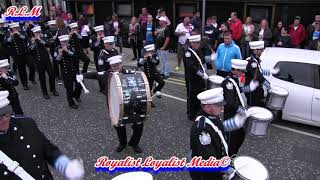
<point x="115" y="24"/>
<point x="180" y="28"/>
<point x="261" y="35"/>
<point x="250" y="168"/>
<point x="85" y="30"/>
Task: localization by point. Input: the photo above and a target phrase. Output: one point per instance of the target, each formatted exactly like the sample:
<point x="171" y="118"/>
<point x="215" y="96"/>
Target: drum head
<point x="279" y="91"/>
<point x="250" y="168"/>
<point x="216" y="79"/>
<point x="134" y="176"/>
<point x="260" y="113"/>
<point x="115" y="98"/>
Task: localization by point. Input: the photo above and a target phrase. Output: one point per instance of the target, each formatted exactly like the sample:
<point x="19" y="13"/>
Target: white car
<point x="300" y="75"/>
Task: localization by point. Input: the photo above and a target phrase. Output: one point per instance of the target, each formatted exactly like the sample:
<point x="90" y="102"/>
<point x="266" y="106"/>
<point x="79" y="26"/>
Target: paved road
<point x="87" y="133"/>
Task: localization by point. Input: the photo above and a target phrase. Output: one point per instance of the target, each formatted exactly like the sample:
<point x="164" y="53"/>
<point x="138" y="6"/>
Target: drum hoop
<point x="149" y="100"/>
<point x="261" y="119"/>
<point x="251" y="158"/>
<point x="120" y="92"/>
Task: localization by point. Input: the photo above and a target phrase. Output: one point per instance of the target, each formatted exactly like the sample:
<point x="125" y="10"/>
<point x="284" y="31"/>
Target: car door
<point x="316" y="98"/>
<point x="298" y="79"/>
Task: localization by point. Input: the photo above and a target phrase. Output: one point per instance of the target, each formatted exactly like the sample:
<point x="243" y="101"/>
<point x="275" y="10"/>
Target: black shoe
<point x="162" y="75"/>
<point x="120" y="148"/>
<point x="165" y="77"/>
<point x="26" y="87"/>
<point x="73" y="106"/>
<point x="34" y="82"/>
<point x="137" y="149"/>
<point x="152" y="105"/>
<point x="55" y="93"/>
<point x="78" y="100"/>
<point x="46" y="96"/>
<point x="134" y="59"/>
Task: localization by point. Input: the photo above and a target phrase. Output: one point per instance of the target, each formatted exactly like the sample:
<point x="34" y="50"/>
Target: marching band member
<point x="96" y="46"/>
<point x="207" y="132"/>
<point x="17" y="44"/>
<point x="51" y="37"/>
<point x="22" y="141"/>
<point x="39" y="52"/>
<point x="8" y="82"/>
<point x="75" y="42"/>
<point x="116" y="66"/>
<point x="254" y="72"/>
<point x="69" y="69"/>
<point x="235" y="107"/>
<point x="150" y="62"/>
<point x="194" y="74"/>
<point x="3" y="34"/>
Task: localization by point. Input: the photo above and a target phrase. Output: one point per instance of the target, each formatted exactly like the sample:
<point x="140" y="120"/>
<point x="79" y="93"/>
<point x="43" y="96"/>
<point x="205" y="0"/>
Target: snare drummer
<point x="150" y="62"/>
<point x="116" y="66"/>
<point x="254" y="72"/>
<point x="234" y="108"/>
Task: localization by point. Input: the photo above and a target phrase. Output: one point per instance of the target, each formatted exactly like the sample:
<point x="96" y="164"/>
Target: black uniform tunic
<point x="26" y="144"/>
<point x="49" y="36"/>
<point x="4" y="54"/>
<point x="75" y="42"/>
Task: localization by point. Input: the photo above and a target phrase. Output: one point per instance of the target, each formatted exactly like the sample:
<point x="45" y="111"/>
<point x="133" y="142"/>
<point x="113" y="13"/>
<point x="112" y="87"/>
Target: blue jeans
<point x="164" y="59"/>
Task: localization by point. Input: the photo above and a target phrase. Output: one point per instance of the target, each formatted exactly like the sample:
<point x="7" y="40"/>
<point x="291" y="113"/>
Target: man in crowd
<point x="22" y="141"/>
<point x="148" y="31"/>
<point x="17" y="45"/>
<point x="183" y="31"/>
<point x="38" y="48"/>
<point x="236" y="27"/>
<point x="225" y="52"/>
<point x="196" y="20"/>
<point x="162" y="45"/>
<point x="297" y="33"/>
<point x="70" y="19"/>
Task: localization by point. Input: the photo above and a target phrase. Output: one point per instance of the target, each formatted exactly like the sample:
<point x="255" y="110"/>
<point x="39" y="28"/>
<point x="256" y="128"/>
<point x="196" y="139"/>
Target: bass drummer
<point x="232" y="86"/>
<point x="116" y="66"/>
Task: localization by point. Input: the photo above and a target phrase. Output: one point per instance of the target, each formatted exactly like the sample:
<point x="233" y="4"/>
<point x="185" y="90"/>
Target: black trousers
<point x="15" y="104"/>
<point x="42" y="69"/>
<point x="85" y="59"/>
<point x="222" y="73"/>
<point x="21" y="62"/>
<point x="235" y="140"/>
<point x="205" y="176"/>
<point x="73" y="88"/>
<point x="56" y="66"/>
<point x="195" y="87"/>
<point x="135" y="138"/>
<point x="156" y="77"/>
<point x="135" y="49"/>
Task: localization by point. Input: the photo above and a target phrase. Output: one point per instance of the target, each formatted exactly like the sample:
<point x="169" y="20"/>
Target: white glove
<point x="141" y="60"/>
<point x="275" y="71"/>
<point x="101" y="73"/>
<point x="74" y="170"/>
<point x="205" y="76"/>
<point x="79" y="78"/>
<point x="100" y="62"/>
<point x="240" y="120"/>
<point x="253" y="85"/>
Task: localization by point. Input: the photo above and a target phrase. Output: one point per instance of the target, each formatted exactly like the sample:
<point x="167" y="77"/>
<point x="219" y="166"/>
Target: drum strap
<point x="196" y="55"/>
<point x="217" y="130"/>
<point x="238" y="91"/>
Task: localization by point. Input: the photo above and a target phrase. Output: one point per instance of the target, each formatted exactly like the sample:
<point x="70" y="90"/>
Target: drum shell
<point x="276" y="101"/>
<point x="258" y="127"/>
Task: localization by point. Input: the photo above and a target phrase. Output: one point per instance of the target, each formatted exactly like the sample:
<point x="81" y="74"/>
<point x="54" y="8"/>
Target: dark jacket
<point x="144" y="32"/>
<point x="17" y="45"/>
<point x="286" y="41"/>
<point x="39" y="52"/>
<point x="267" y="36"/>
<point x="150" y="66"/>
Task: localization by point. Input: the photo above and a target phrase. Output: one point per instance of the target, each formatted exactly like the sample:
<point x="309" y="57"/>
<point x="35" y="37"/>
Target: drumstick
<point x="86" y="91"/>
<point x="158" y="93"/>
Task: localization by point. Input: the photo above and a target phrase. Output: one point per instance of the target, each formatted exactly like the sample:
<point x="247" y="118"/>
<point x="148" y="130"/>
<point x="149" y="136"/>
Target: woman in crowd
<point x="284" y="40"/>
<point x="276" y="32"/>
<point x="263" y="33"/>
<point x="134" y="38"/>
<point x="248" y="29"/>
<point x="85" y="33"/>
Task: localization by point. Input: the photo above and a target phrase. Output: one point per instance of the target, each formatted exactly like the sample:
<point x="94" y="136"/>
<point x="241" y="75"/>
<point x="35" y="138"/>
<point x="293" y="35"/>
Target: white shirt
<point x="295" y="27"/>
<point x="215" y="25"/>
<point x="85" y="30"/>
<point x="115" y="24"/>
<point x="261" y="35"/>
<point x="180" y="28"/>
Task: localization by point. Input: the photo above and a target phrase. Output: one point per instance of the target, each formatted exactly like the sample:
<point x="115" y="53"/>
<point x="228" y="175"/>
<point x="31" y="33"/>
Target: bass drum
<point x="129" y="98"/>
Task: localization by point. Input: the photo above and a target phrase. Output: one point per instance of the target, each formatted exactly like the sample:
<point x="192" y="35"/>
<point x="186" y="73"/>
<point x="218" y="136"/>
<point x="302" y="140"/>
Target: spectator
<point x="70" y="19"/>
<point x="162" y="13"/>
<point x="263" y="33"/>
<point x="297" y="32"/>
<point x="210" y="32"/>
<point x="225" y="52"/>
<point x="223" y="29"/>
<point x="216" y="27"/>
<point x="315" y="43"/>
<point x="134" y="38"/>
<point x="114" y="28"/>
<point x="85" y="33"/>
<point x="183" y="31"/>
<point x="235" y="27"/>
<point x="62" y="28"/>
<point x="148" y="32"/>
<point x="143" y="17"/>
<point x="248" y="30"/>
<point x="196" y="20"/>
<point x="284" y="40"/>
<point x="162" y="43"/>
<point x="310" y="31"/>
<point x="276" y="32"/>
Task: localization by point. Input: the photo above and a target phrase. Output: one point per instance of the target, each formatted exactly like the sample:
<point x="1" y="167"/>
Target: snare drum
<point x="248" y="168"/>
<point x="258" y="122"/>
<point x="215" y="81"/>
<point x="276" y="98"/>
<point x="134" y="176"/>
<point x="129" y="98"/>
